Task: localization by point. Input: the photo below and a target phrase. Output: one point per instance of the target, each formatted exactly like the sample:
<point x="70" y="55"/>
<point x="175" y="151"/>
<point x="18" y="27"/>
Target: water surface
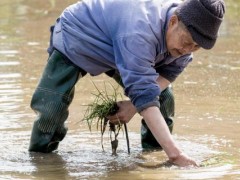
<point x="207" y="108"/>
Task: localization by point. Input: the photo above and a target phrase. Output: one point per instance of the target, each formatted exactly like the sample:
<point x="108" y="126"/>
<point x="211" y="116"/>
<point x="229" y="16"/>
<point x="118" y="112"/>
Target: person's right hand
<point x="182" y="160"/>
<point x="125" y="112"/>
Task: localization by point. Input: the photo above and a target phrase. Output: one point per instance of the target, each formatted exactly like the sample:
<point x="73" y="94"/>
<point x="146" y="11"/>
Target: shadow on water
<point x="207" y="108"/>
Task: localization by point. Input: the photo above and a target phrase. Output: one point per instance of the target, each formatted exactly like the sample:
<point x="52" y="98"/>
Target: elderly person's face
<point x="179" y="40"/>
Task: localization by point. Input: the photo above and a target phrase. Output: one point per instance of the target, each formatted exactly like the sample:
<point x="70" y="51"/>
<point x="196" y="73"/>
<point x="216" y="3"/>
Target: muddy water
<point x="207" y="108"/>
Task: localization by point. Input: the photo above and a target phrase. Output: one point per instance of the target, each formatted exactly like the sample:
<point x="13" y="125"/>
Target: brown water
<point x="207" y="112"/>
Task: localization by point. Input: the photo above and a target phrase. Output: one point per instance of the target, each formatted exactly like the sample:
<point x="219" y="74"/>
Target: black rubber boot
<point x="45" y="142"/>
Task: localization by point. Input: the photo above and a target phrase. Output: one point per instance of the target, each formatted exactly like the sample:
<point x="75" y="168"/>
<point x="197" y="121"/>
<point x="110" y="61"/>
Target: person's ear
<point x="173" y="21"/>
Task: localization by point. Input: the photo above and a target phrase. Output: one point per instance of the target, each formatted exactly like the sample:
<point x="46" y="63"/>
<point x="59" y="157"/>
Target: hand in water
<point x="182" y="160"/>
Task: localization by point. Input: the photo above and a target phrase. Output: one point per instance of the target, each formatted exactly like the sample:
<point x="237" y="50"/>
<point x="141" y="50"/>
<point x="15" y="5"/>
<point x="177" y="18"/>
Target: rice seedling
<point x="103" y="106"/>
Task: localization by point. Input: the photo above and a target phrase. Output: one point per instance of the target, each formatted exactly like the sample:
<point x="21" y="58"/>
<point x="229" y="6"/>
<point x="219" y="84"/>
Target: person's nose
<point x="187" y="49"/>
<point x="183" y="51"/>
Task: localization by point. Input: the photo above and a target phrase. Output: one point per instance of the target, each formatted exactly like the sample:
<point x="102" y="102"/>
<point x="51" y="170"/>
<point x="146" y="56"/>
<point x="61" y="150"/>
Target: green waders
<point x="51" y="100"/>
<point x="167" y="107"/>
<point x="53" y="96"/>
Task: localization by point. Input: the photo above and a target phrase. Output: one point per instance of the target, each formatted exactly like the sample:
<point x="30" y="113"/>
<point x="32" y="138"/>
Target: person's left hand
<point x="182" y="160"/>
<point x="125" y="113"/>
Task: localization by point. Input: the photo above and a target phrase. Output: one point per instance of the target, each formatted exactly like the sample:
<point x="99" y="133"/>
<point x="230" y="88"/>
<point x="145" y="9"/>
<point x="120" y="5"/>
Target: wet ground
<point x="207" y="108"/>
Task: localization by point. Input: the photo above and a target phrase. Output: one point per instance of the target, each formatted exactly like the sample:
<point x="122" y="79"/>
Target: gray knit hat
<point x="202" y="19"/>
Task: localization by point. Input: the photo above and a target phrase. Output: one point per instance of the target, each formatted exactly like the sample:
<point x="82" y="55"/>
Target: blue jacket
<point x="125" y="35"/>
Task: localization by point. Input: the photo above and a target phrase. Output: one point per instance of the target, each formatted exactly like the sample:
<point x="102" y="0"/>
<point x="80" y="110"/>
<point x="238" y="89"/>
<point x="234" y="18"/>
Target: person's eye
<point x="186" y="43"/>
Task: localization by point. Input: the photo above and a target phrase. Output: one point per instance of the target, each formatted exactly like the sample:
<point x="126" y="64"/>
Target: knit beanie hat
<point x="202" y="19"/>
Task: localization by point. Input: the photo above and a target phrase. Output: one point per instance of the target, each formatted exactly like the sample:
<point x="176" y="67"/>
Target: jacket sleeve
<point x="134" y="58"/>
<point x="174" y="69"/>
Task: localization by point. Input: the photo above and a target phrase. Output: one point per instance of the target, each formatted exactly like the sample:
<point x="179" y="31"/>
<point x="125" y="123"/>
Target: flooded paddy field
<point x="207" y="121"/>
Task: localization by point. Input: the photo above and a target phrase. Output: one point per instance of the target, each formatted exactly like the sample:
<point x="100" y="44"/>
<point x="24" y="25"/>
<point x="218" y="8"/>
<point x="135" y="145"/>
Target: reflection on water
<point x="207" y="114"/>
<point x="79" y="157"/>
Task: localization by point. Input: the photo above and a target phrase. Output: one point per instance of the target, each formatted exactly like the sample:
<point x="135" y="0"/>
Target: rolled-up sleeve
<point x="134" y="57"/>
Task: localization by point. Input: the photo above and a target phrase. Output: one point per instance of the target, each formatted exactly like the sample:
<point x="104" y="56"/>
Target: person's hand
<point x="125" y="113"/>
<point x="182" y="160"/>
